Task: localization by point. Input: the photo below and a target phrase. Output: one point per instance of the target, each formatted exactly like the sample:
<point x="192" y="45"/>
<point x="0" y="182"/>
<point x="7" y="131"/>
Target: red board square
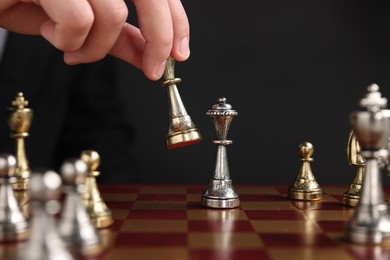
<point x="194" y="205"/>
<point x="197" y="189"/>
<point x="262" y="197"/>
<point x="119" y="204"/>
<point x="116" y="188"/>
<point x="326" y="205"/>
<point x="331" y="225"/>
<point x="162" y="197"/>
<point x="226" y="254"/>
<point x="157" y="214"/>
<point x="274" y="215"/>
<point x="219" y="226"/>
<point x="151" y="239"/>
<point x="294" y="240"/>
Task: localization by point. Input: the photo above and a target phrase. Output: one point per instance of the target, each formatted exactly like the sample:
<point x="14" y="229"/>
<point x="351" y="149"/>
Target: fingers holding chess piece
<point x="182" y="131"/>
<point x="75" y="225"/>
<point x="98" y="211"/>
<point x="13" y="225"/>
<point x="352" y="195"/>
<point x="305" y="187"/>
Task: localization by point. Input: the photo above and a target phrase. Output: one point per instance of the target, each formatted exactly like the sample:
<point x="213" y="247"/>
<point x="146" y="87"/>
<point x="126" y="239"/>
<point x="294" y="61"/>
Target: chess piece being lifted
<point x="352" y="195"/>
<point x="370" y="222"/>
<point x="44" y="241"/>
<point x="19" y="121"/>
<point x="13" y="225"/>
<point x="182" y="130"/>
<point x="97" y="210"/>
<point x="305" y="186"/>
<point x="75" y="225"/>
<point x="220" y="193"/>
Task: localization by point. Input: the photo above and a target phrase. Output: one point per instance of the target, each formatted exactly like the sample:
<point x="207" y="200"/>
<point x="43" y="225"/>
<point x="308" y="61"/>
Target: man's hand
<point x="87" y="30"/>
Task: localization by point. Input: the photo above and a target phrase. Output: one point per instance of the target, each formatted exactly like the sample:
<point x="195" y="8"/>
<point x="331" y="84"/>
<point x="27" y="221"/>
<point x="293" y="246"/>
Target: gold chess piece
<point x="305" y="186"/>
<point x="19" y="121"/>
<point x="98" y="211"/>
<point x="352" y="195"/>
<point x="182" y="130"/>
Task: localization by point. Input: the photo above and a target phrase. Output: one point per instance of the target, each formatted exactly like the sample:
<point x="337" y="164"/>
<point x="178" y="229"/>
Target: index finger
<point x="155" y="23"/>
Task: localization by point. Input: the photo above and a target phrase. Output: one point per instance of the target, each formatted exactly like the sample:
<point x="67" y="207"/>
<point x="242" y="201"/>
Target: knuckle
<point x="165" y="41"/>
<point x="119" y="15"/>
<point x="79" y="24"/>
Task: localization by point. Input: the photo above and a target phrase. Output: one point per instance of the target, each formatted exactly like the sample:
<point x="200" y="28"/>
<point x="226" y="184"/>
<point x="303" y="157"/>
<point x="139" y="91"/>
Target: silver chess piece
<point x="75" y="225"/>
<point x="13" y="225"/>
<point x="44" y="242"/>
<point x="221" y="193"/>
<point x="370" y="222"/>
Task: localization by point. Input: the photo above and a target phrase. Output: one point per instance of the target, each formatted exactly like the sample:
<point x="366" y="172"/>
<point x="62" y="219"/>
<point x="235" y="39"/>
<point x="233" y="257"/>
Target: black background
<point x="293" y="70"/>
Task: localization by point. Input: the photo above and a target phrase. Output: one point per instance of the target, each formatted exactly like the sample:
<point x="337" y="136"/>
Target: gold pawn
<point x="98" y="211"/>
<point x="19" y="121"/>
<point x="305" y="186"/>
<point x="182" y="131"/>
<point x="352" y="195"/>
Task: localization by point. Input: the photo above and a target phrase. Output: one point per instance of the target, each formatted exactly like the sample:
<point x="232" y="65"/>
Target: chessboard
<point x="168" y="222"/>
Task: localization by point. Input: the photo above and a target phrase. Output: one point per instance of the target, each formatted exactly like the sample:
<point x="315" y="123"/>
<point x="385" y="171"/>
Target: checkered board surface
<point x="168" y="222"/>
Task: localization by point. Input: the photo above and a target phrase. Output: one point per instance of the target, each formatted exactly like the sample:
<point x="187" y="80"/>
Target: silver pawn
<point x="370" y="222"/>
<point x="220" y="193"/>
<point x="45" y="242"/>
<point x="75" y="225"/>
<point x="13" y="225"/>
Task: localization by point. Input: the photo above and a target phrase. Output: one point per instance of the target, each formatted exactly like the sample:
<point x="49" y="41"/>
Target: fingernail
<point x="160" y="70"/>
<point x="184" y="48"/>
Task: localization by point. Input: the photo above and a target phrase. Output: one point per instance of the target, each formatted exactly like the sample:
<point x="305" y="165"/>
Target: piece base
<point x="295" y="194"/>
<point x="183" y="138"/>
<point x="103" y="221"/>
<point x="350" y="200"/>
<point x="220" y="203"/>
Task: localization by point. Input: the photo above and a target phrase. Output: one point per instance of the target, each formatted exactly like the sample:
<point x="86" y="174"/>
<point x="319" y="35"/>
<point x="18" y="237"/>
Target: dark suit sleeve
<point x="75" y="108"/>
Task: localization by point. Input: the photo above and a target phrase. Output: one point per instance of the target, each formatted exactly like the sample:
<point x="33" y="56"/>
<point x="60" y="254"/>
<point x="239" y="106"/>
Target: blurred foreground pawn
<point x="75" y="225"/>
<point x="19" y="121"/>
<point x="97" y="210"/>
<point x="13" y="225"/>
<point x="220" y="193"/>
<point x="305" y="186"/>
<point x="182" y="130"/>
<point x="45" y="242"/>
<point x="352" y="195"/>
<point x="370" y="223"/>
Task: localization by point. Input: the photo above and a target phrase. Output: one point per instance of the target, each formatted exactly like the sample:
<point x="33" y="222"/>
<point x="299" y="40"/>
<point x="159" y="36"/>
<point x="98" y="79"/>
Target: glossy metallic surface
<point x="13" y="225"/>
<point x="19" y="121"/>
<point x="370" y="223"/>
<point x="97" y="209"/>
<point x="352" y="195"/>
<point x="305" y="186"/>
<point x="221" y="193"/>
<point x="44" y="241"/>
<point x="75" y="225"/>
<point x="182" y="130"/>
